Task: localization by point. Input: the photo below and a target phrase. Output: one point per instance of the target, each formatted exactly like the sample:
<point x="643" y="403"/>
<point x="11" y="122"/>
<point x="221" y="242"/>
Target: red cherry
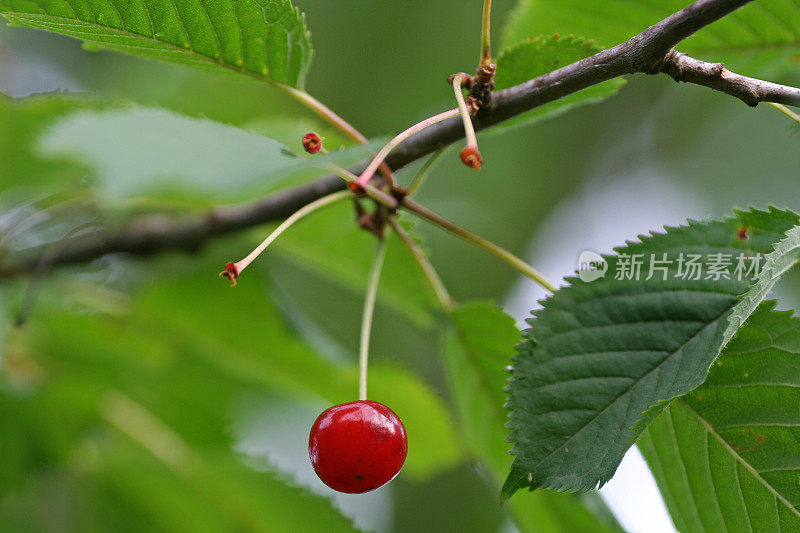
<point x="358" y="446"/>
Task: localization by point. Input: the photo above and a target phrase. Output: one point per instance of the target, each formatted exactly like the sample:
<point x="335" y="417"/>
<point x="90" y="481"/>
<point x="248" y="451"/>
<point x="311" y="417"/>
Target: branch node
<point x="482" y="89"/>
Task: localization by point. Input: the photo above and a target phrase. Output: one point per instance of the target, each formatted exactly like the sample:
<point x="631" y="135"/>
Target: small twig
<point x="332" y="118"/>
<point x="427" y="268"/>
<point x="372" y="191"/>
<point x="325" y="112"/>
<point x="751" y="91"/>
<point x="369" y="311"/>
<point x="482" y="84"/>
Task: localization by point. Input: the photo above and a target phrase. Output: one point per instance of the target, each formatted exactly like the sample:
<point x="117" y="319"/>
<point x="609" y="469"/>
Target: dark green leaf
<point x="478" y="349"/>
<point x="767" y="28"/>
<point x="603" y="352"/>
<point x="535" y="57"/>
<point x="266" y="39"/>
<point x="727" y="455"/>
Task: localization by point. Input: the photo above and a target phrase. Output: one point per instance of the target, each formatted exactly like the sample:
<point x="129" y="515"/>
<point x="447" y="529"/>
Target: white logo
<point x="591" y="266"/>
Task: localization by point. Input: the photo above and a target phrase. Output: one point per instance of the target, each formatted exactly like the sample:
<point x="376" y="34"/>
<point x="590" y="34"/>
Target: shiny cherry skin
<point x="358" y="446"/>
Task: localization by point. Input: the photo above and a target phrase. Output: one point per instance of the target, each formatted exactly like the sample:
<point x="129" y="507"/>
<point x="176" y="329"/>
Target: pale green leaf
<point x="185" y="362"/>
<point x="177" y="152"/>
<point x="128" y="415"/>
<point x="25" y="121"/>
<point x="260" y="350"/>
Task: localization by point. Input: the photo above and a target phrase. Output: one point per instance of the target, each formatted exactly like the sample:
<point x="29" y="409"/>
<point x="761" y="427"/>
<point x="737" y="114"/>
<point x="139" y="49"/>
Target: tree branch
<point x="715" y="76"/>
<point x="148" y="234"/>
<point x="650" y="52"/>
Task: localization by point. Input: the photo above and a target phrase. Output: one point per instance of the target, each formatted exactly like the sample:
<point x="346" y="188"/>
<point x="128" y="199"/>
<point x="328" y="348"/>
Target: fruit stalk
<point x="369" y="311"/>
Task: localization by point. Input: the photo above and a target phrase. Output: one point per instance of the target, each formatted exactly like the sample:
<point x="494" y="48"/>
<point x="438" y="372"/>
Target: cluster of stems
<point x="390" y="198"/>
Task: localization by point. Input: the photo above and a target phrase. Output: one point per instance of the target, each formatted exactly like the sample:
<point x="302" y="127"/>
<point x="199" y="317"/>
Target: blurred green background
<point x="144" y="394"/>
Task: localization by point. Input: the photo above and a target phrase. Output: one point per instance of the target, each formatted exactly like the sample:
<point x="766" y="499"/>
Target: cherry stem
<point x="486" y="51"/>
<point x="423" y="172"/>
<point x="469" y="130"/>
<point x="369" y="311"/>
<point x="332" y="118"/>
<point x="427" y="268"/>
<point x="489" y="246"/>
<point x="286" y="224"/>
<point x="391" y="145"/>
<point x="325" y="112"/>
<point x="785" y="110"/>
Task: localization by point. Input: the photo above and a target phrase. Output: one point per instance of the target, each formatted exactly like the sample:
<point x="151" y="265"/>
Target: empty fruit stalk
<point x="470" y="155"/>
<point x="232" y="270"/>
<point x="391" y="145"/>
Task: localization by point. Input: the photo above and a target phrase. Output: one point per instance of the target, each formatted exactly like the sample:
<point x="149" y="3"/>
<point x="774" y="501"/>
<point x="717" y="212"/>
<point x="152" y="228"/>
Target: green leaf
<point x="535" y="57"/>
<point x="725" y="456"/>
<point x="477" y="349"/>
<point x="179" y="153"/>
<point x="767" y="28"/>
<point x="600" y="353"/>
<point x="266" y="39"/>
<point x="176" y="151"/>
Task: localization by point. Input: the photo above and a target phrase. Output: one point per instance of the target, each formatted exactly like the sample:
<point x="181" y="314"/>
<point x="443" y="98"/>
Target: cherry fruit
<point x="358" y="446"/>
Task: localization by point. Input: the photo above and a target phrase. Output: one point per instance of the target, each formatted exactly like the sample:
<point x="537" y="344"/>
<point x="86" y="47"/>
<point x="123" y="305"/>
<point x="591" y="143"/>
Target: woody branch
<point x="650" y="52"/>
